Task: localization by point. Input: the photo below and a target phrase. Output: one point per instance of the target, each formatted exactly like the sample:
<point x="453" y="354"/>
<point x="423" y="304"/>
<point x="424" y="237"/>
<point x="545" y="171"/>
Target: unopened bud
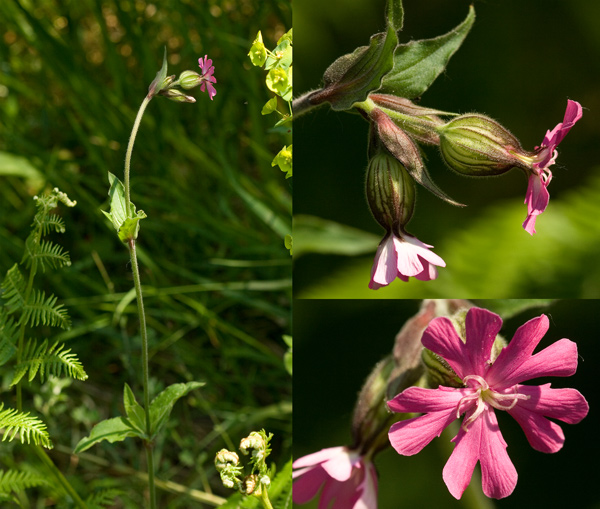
<point x="477" y="145"/>
<point x="251" y="485"/>
<point x="189" y="79"/>
<point x="419" y="122"/>
<point x="390" y="191"/>
<point x="177" y="95"/>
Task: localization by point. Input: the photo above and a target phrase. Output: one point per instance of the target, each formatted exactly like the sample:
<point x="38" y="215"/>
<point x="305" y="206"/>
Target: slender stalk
<point x="140" y="303"/>
<point x="62" y="480"/>
<point x="134" y="131"/>
<point x="264" y="498"/>
<point x="302" y="104"/>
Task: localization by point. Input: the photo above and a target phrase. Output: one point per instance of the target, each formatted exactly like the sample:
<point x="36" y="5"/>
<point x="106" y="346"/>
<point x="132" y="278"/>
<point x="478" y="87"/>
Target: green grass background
<point x="214" y="267"/>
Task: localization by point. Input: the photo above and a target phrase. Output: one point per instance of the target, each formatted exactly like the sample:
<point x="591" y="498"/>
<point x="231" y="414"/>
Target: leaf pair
<point x="126" y="224"/>
<point x="133" y="424"/>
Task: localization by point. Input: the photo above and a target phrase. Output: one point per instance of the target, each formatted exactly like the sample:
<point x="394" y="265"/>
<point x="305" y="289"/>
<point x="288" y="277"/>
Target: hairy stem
<point x="134" y="131"/>
<point x="302" y="104"/>
<point x="140" y="303"/>
<point x="264" y="498"/>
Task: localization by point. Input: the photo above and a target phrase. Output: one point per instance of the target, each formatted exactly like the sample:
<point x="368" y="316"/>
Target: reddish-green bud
<point x="390" y="191"/>
<point x="189" y="79"/>
<point x="477" y="145"/>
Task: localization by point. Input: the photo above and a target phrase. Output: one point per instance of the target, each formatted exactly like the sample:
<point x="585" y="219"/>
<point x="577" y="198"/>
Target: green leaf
<point x="113" y="430"/>
<point x="116" y="193"/>
<point x="269" y="107"/>
<point x="19" y="166"/>
<point x="281" y="56"/>
<point x="16" y="482"/>
<point x="161" y="406"/>
<point x="47" y="361"/>
<point x="9" y="333"/>
<point x="284" y="160"/>
<point x="418" y="63"/>
<point x="258" y="52"/>
<point x="131" y="227"/>
<point x="288" y="356"/>
<point x="44" y="310"/>
<point x="127" y="225"/>
<point x="158" y="84"/>
<point x="13" y="289"/>
<point x="351" y="77"/>
<point x="30" y="429"/>
<point x="135" y="413"/>
<point x="315" y="235"/>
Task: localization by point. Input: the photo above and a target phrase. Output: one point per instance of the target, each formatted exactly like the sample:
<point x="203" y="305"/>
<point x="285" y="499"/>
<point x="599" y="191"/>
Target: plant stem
<point x="134" y="131"/>
<point x="302" y="104"/>
<point x="264" y="498"/>
<point x="62" y="480"/>
<point x="140" y="302"/>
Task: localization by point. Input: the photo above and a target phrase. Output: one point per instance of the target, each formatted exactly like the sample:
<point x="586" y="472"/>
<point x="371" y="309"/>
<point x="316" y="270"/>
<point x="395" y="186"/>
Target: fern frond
<point x="51" y="223"/>
<point x="45" y="311"/>
<point x="13" y="289"/>
<point x="45" y="254"/>
<point x="47" y="361"/>
<point x="30" y="429"/>
<point x="103" y="498"/>
<point x="15" y="481"/>
<point x="8" y="337"/>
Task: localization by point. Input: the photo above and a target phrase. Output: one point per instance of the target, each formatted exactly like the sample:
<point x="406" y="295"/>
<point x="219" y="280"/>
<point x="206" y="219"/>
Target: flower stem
<point x="140" y="303"/>
<point x="134" y="131"/>
<point x="302" y="104"/>
<point x="62" y="480"/>
<point x="264" y="498"/>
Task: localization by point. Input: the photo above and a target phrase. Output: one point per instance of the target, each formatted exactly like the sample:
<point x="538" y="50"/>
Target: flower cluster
<point x="473" y="145"/>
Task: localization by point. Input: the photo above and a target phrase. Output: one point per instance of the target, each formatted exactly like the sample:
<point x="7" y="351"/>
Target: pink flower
<point x="537" y="195"/>
<point x="348" y="479"/>
<point x="403" y="256"/>
<point x="207" y="76"/>
<point x="489" y="384"/>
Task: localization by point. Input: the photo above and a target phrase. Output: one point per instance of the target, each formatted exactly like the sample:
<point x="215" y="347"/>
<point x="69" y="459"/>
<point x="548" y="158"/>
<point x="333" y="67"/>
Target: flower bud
<point x="419" y="122"/>
<point x="390" y="191"/>
<point x="251" y="485"/>
<point x="177" y="95"/>
<point x="225" y="458"/>
<point x="189" y="79"/>
<point x="477" y="145"/>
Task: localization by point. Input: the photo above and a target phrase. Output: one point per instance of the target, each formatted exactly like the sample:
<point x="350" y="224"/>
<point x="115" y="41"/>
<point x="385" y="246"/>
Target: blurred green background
<point x="214" y="267"/>
<point x="337" y="343"/>
<point x="519" y="64"/>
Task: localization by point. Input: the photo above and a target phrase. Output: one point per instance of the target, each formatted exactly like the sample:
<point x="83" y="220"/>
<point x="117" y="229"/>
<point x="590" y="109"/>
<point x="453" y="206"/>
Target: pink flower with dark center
<point x="402" y="256"/>
<point x="537" y="195"/>
<point x="489" y="384"/>
<point x="348" y="479"/>
<point x="207" y="76"/>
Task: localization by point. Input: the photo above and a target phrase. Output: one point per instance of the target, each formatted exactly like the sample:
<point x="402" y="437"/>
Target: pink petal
<point x="409" y="436"/>
<point x="498" y="474"/>
<point x="344" y="494"/>
<point x="459" y="467"/>
<point x="368" y="499"/>
<point x="558" y="359"/>
<point x="340" y="466"/>
<point x="567" y="405"/>
<point x="481" y="327"/>
<point x="307" y="485"/>
<point x="441" y="338"/>
<point x="319" y="457"/>
<point x="573" y="113"/>
<point x="384" y="267"/>
<point x="543" y="435"/>
<point x="409" y="262"/>
<point x="517" y="351"/>
<point x="536" y="199"/>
